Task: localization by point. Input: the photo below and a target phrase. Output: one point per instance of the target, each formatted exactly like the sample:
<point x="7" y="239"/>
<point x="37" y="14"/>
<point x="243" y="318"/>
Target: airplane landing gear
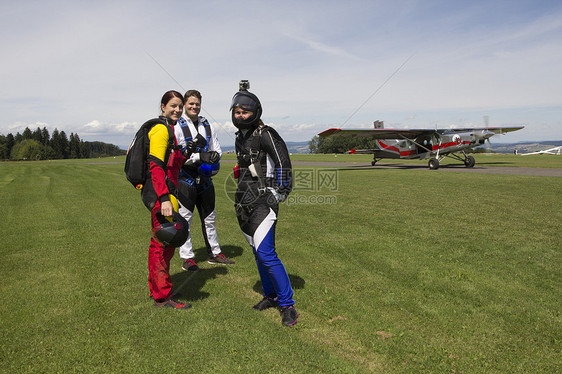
<point x="468" y="161"/>
<point x="433" y="164"/>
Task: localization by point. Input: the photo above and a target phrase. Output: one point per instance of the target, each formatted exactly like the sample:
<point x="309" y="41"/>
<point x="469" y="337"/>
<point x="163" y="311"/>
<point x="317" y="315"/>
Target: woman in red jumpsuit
<point x="158" y="195"/>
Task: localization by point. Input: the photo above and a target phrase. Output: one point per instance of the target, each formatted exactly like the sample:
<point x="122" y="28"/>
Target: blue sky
<point x="99" y="69"/>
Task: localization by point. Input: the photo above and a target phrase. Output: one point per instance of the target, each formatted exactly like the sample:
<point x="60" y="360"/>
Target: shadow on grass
<point x="377" y="167"/>
<point x="495" y="163"/>
<point x="230" y="251"/>
<point x="190" y="283"/>
<point x="414" y="166"/>
<point x="296" y="282"/>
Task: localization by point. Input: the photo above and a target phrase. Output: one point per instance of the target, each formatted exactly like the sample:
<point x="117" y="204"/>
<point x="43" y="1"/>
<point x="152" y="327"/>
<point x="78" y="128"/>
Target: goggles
<point x="244" y="102"/>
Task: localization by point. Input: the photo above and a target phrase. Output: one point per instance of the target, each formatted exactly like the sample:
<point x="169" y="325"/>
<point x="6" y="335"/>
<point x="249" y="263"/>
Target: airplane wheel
<point x="433" y="164"/>
<point x="469" y="162"/>
<point x="373" y="163"/>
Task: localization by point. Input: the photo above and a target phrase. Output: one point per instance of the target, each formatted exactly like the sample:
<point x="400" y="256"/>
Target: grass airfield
<point x="482" y="159"/>
<point x="394" y="271"/>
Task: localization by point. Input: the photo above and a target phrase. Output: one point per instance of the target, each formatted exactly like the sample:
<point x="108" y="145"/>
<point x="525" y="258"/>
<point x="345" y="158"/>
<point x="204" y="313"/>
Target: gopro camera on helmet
<point x="249" y="102"/>
<point x="244" y="85"/>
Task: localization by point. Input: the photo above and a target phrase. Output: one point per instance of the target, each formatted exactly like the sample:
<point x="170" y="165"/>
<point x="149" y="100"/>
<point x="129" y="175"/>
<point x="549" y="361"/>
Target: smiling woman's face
<point x="173" y="109"/>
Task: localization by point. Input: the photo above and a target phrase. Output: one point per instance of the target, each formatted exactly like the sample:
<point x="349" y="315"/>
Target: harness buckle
<point x="254" y="155"/>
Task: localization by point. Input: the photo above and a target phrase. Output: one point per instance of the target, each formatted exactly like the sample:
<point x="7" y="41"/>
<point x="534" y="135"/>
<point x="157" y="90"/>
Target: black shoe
<point x="266" y="302"/>
<point x="190" y="265"/>
<point x="288" y="315"/>
<point x="220" y="259"/>
<point x="174" y="294"/>
<point x="171" y="303"/>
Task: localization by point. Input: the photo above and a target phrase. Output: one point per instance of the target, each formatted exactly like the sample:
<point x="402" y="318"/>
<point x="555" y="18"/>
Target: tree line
<point x="339" y="144"/>
<point x="40" y="145"/>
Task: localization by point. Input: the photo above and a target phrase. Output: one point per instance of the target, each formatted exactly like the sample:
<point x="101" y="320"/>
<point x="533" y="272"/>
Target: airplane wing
<point x="377" y="133"/>
<point x="496" y="130"/>
<point x="410" y="133"/>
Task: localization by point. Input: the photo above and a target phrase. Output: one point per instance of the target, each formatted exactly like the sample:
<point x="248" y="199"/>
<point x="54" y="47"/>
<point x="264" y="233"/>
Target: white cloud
<point x="313" y="64"/>
<point x="324" y="48"/>
<point x="96" y="127"/>
<point x="20" y="126"/>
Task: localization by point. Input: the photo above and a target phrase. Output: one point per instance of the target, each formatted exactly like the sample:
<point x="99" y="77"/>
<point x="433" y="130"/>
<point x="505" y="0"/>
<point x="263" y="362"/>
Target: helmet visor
<point x="245" y="102"/>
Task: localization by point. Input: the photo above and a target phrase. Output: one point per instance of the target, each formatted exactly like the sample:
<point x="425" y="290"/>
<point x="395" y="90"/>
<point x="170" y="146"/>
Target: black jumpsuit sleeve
<point x="276" y="149"/>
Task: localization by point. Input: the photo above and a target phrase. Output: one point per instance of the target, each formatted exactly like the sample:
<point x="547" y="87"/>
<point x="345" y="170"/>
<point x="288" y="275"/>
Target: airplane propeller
<point x="483" y="136"/>
<point x="487" y="124"/>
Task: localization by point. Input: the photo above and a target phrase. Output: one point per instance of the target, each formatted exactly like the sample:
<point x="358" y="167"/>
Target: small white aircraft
<point x="551" y="151"/>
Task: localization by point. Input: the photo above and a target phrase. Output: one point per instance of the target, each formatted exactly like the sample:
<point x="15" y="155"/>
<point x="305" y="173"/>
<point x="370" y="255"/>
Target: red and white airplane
<point x="422" y="144"/>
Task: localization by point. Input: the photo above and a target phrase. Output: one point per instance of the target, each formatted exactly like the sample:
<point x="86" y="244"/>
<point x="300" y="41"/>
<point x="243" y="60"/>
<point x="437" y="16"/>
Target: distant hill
<point x="298" y="147"/>
<point x="525" y="147"/>
<point x="293" y="147"/>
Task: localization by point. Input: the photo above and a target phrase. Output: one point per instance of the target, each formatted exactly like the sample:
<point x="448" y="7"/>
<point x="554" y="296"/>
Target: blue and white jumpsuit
<point x="260" y="188"/>
<point x="194" y="190"/>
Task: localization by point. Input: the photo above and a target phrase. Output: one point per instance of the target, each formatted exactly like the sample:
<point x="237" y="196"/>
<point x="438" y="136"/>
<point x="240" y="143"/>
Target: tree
<point x="4" y="154"/>
<point x="59" y="143"/>
<point x="6" y="145"/>
<point x="64" y="145"/>
<point x="9" y="143"/>
<point x="27" y="133"/>
<point x="55" y="147"/>
<point x="313" y="144"/>
<point x="340" y="144"/>
<point x="84" y="150"/>
<point x="55" y="144"/>
<point x="74" y="145"/>
<point x="37" y="135"/>
<point x="28" y="149"/>
<point x="45" y="137"/>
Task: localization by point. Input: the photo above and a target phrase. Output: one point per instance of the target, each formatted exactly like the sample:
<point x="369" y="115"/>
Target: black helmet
<point x="249" y="102"/>
<point x="172" y="233"/>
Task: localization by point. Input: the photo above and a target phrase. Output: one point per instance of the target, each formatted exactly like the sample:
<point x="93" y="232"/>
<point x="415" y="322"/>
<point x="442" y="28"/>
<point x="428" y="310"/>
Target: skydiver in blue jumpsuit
<point x="264" y="180"/>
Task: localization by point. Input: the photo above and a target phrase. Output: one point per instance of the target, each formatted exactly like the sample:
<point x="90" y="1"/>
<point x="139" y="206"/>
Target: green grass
<point x="399" y="271"/>
<point x="495" y="159"/>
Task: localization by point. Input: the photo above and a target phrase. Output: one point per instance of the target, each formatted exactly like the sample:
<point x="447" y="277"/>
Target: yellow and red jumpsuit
<point x="159" y="256"/>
